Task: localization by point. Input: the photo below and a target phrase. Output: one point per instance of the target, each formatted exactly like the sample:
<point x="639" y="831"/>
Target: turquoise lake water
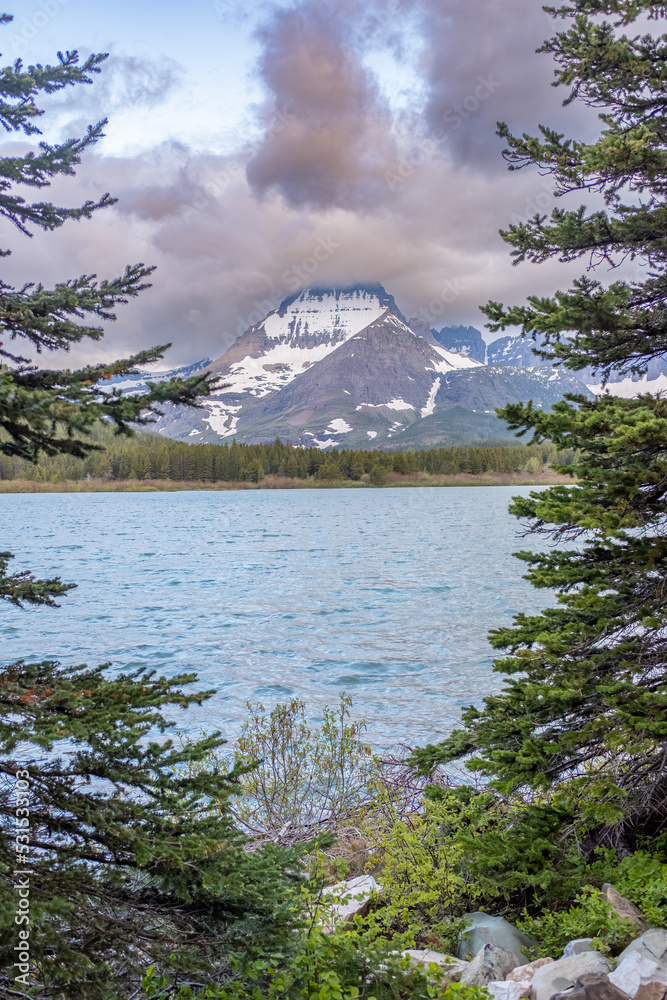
<point x="387" y="595"/>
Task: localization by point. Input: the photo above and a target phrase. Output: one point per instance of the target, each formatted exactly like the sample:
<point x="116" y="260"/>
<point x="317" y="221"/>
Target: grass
<point x="393" y="479"/>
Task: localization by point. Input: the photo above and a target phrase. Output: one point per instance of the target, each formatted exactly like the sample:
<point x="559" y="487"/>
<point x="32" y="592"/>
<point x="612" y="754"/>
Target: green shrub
<point x="348" y="964"/>
<point x="468" y="849"/>
<point x="423" y="869"/>
<point x="591" y="916"/>
<point x="297" y="779"/>
<point x="642" y="877"/>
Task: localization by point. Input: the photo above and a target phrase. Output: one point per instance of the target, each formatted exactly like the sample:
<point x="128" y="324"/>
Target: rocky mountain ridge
<point x="518" y="351"/>
<point x="342" y="367"/>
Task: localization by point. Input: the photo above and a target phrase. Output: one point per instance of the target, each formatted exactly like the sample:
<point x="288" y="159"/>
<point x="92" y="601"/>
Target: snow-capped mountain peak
<point x="331" y="315"/>
<point x="303" y="330"/>
<point x="342" y="367"/>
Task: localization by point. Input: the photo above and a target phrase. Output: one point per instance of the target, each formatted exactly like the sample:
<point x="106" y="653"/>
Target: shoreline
<point x="393" y="481"/>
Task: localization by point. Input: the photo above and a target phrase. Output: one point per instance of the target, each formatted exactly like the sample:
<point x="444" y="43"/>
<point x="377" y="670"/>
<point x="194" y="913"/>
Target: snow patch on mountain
<point x="427" y="410"/>
<point x="628" y="388"/>
<point x="393" y="404"/>
<point x="333" y="314"/>
<point x="452" y="361"/>
<point x="339" y="426"/>
<point x="220" y="417"/>
<point x="274" y="369"/>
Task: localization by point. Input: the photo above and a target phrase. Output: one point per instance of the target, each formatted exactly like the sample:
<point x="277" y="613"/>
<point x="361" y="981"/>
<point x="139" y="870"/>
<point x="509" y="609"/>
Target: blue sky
<point x="210" y="42"/>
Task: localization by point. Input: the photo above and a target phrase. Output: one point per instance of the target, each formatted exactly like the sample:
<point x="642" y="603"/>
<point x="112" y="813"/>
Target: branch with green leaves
<point x="23" y="588"/>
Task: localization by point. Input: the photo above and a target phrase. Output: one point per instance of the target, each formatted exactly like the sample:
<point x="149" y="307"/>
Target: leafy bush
<point x="350" y="964"/>
<point x="422" y="867"/>
<point x="297" y="780"/>
<point x="591" y="916"/>
<point x="305" y="779"/>
<point x="642" y="877"/>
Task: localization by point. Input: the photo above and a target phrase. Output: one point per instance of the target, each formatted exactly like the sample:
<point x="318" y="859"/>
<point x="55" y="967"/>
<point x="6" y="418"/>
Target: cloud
<point x="342" y="187"/>
<point x="126" y="82"/>
<point x="329" y="140"/>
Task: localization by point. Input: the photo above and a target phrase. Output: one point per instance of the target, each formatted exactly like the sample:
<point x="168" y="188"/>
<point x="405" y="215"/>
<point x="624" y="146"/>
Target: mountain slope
<point x="342" y="367"/>
<point x="381" y="379"/>
<point x="462" y="340"/>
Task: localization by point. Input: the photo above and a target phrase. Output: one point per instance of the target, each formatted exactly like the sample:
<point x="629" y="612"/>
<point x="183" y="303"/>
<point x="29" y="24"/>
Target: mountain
<point x="133" y="384"/>
<point x="342" y="367"/>
<point x="627" y="386"/>
<point x="514" y="351"/>
<point x="462" y="340"/>
<point x="518" y="351"/>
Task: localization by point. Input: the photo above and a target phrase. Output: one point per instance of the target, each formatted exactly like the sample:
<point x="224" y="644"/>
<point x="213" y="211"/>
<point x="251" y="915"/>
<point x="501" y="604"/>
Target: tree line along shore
<point x="148" y="459"/>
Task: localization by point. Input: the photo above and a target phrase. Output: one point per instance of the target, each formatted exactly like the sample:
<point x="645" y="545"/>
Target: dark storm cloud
<point x="335" y="192"/>
<point x="480" y="66"/>
<point x="331" y="141"/>
<point x="335" y="140"/>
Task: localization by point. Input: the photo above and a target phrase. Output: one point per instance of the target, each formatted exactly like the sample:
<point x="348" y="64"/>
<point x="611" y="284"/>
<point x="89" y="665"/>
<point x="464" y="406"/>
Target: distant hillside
<point x="341" y="367"/>
<point x="464" y="340"/>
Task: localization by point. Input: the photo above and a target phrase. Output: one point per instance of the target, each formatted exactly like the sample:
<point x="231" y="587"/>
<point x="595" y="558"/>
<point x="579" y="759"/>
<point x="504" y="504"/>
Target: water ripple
<point x="387" y="594"/>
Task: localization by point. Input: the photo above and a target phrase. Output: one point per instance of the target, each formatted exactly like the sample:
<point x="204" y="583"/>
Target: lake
<point x="385" y="594"/>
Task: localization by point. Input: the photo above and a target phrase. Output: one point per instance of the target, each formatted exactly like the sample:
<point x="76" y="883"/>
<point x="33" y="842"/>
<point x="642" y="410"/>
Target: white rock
<point x="636" y="970"/>
<point x="508" y="990"/>
<point x="560" y="975"/>
<point x="350" y="898"/>
<point x="490" y="965"/>
<point x="453" y="967"/>
<point x="577" y="946"/>
<point x="525" y="973"/>
<point x="652" y="945"/>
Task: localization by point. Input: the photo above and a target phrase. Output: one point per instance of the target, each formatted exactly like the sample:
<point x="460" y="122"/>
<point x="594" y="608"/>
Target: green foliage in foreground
<point x="581" y="723"/>
<point x="590" y="916"/>
<point x="461" y="849"/>
<point x="352" y="963"/>
<point x="132" y="852"/>
<point x="148" y="456"/>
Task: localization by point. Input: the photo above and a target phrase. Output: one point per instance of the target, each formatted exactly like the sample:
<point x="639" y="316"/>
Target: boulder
<point x="651" y="991"/>
<point x="452" y="967"/>
<point x="525" y="973"/>
<point x="577" y="946"/>
<point x="561" y="975"/>
<point x="636" y="971"/>
<point x="592" y="986"/>
<point x="652" y="945"/>
<point x="491" y="964"/>
<point x="625" y="908"/>
<point x="350" y="898"/>
<point x="509" y="990"/>
<point x="486" y="929"/>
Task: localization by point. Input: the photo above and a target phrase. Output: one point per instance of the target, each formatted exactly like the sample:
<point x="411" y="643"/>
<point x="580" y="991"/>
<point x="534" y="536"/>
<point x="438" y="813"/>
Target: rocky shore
<point x="492" y="954"/>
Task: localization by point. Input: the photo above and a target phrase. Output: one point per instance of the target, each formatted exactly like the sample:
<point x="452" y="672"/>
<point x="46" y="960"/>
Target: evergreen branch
<point x="19" y="87"/>
<point x="45" y="317"/>
<point x="22" y="588"/>
<point x="53" y="412"/>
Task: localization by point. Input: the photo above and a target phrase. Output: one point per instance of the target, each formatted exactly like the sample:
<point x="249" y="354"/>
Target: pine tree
<point x="356" y="466"/>
<point x="582" y="716"/>
<point x="122" y="839"/>
<point x="377" y="475"/>
<point x="330" y="469"/>
<point x="129" y="853"/>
